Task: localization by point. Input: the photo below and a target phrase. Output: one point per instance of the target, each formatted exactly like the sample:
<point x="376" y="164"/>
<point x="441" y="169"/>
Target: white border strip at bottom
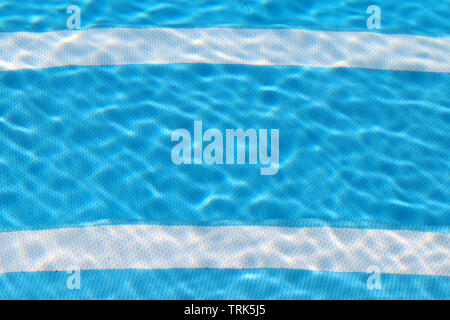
<point x="121" y="46"/>
<point x="166" y="247"/>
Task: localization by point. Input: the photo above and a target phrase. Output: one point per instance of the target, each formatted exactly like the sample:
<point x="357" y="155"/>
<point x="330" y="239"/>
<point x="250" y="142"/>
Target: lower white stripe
<point x="164" y="247"/>
<point x="118" y="46"/>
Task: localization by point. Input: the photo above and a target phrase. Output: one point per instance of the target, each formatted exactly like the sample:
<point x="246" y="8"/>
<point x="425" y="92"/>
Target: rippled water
<point x="425" y="16"/>
<point x="358" y="148"/>
<point x="222" y="284"/>
<point x="93" y="144"/>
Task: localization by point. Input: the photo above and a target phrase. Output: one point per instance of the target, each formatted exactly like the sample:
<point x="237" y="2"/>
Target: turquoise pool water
<point x="359" y="148"/>
<point x="421" y="17"/>
<point x="93" y="146"/>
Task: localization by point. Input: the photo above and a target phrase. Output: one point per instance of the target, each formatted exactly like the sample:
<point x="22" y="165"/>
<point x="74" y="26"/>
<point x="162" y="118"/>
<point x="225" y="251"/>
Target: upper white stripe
<point x="116" y="46"/>
<point x="163" y="247"/>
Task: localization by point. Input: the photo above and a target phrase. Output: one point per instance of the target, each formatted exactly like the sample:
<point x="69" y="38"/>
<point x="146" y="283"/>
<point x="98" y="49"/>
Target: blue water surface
<point x="91" y="146"/>
<point x="429" y="17"/>
<point x="220" y="284"/>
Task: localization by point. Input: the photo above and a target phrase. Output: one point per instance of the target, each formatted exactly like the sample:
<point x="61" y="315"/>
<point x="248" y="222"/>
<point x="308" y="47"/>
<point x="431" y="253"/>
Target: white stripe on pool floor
<point x="119" y="46"/>
<point x="166" y="247"/>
